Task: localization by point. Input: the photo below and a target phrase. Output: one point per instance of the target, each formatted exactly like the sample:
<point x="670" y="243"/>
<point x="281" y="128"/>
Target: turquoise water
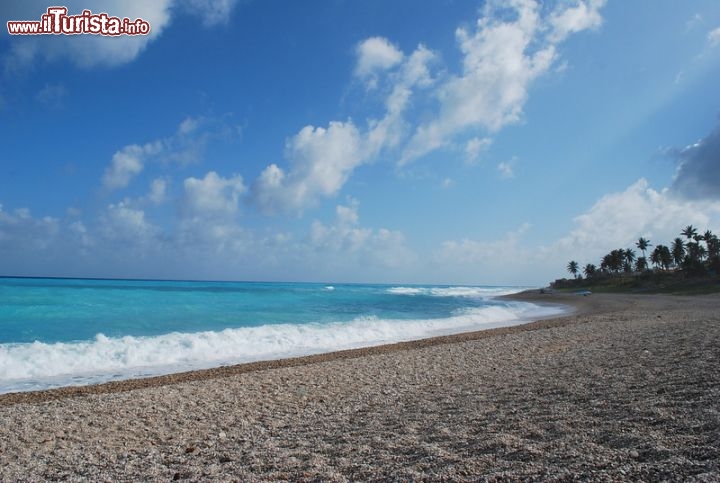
<point x="56" y="332"/>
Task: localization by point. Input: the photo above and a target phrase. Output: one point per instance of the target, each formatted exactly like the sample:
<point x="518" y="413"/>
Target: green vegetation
<point x="690" y="265"/>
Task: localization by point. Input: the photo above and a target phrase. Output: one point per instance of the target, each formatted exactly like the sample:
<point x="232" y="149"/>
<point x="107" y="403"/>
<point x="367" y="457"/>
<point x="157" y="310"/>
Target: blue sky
<point x="365" y="141"/>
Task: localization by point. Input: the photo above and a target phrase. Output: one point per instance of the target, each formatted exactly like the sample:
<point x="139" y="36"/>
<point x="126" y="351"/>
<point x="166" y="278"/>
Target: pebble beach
<point x="627" y="387"/>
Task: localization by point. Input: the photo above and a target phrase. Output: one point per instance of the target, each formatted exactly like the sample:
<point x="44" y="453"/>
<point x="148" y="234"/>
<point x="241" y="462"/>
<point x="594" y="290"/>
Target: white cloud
<point x="344" y="244"/>
<point x="467" y="251"/>
<point x="87" y="50"/>
<point x="617" y="220"/>
<point x="96" y="50"/>
<point x="128" y="163"/>
<point x="82" y="235"/>
<point x="20" y="231"/>
<point x="52" y="95"/>
<point x="193" y="134"/>
<point x="204" y="241"/>
<point x="188" y="125"/>
<point x="213" y="196"/>
<point x="375" y="54"/>
<point x="39" y="246"/>
<point x="321" y="160"/>
<point x="186" y="146"/>
<point x="583" y="16"/>
<point x="506" y="168"/>
<point x="500" y="261"/>
<point x="474" y="147"/>
<point x="121" y="223"/>
<point x="413" y="73"/>
<point x="501" y="58"/>
<point x="158" y="191"/>
<point x="714" y="37"/>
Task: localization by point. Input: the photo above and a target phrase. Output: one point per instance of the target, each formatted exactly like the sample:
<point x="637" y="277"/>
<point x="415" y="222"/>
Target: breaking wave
<point x="38" y="365"/>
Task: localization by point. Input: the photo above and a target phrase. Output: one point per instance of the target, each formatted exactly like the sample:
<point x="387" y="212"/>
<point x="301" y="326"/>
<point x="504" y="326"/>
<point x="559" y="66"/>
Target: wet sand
<point x="627" y="387"/>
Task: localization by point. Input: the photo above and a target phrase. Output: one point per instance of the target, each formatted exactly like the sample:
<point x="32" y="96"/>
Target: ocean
<point x="62" y="332"/>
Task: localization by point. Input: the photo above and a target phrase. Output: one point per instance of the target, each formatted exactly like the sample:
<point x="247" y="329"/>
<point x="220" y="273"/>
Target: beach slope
<point x="626" y="387"/>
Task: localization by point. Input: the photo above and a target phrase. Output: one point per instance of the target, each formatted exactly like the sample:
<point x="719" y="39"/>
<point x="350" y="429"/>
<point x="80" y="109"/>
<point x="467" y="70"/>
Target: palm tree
<point x="661" y="257"/>
<point x="689" y="232"/>
<point x="643" y="244"/>
<point x="678" y="251"/>
<point x="712" y="243"/>
<point x="708" y="235"/>
<point x="629" y="256"/>
<point x="590" y="270"/>
<point x="618" y="259"/>
<point x="613" y="261"/>
<point x="605" y="264"/>
<point x="655" y="257"/>
<point x="695" y="253"/>
<point x="641" y="264"/>
<point x="573" y="268"/>
<point x="713" y="249"/>
<point x="665" y="256"/>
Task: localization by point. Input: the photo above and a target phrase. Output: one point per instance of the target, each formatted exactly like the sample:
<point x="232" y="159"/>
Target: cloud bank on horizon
<point x="424" y="140"/>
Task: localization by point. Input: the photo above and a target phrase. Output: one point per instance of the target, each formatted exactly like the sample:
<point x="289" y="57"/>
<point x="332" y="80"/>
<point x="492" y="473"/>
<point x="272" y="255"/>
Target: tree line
<point x="696" y="253"/>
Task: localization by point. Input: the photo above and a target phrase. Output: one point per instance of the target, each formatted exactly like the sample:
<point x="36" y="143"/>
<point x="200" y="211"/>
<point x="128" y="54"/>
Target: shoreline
<point x="574" y="305"/>
<point x="625" y="387"/>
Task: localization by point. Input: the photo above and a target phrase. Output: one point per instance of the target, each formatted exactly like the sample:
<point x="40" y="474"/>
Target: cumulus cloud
<point x="96" y="50"/>
<point x="583" y="16"/>
<point x="474" y="147"/>
<point x="122" y="223"/>
<point x="714" y="37"/>
<point x="186" y="146"/>
<point x="188" y="125"/>
<point x="204" y="240"/>
<point x="619" y="219"/>
<point x="616" y="220"/>
<point x="347" y="244"/>
<point x="158" y="191"/>
<point x="39" y="246"/>
<point x="375" y="54"/>
<point x="321" y="160"/>
<point x="86" y="50"/>
<point x="502" y="56"/>
<point x="19" y="230"/>
<point x="507" y="169"/>
<point x="128" y="163"/>
<point x="82" y="234"/>
<point x="213" y="195"/>
<point x="413" y="73"/>
<point x="698" y="173"/>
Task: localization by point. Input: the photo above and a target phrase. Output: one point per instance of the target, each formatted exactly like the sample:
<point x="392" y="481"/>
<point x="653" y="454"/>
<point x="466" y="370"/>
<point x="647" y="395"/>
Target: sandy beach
<point x="625" y="388"/>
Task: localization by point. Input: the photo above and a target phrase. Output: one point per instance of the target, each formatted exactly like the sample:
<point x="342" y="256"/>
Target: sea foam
<point x="32" y="366"/>
<point x="460" y="291"/>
